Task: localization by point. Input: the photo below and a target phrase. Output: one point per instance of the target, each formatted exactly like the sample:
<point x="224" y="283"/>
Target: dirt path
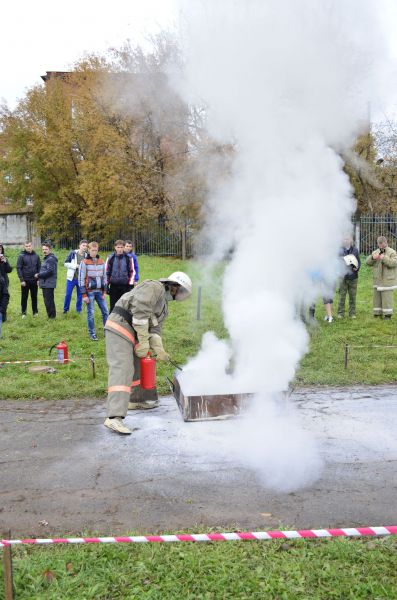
<point x="61" y="471"/>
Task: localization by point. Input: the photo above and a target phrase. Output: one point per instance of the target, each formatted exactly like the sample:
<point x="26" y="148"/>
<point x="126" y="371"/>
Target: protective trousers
<point x="347" y="286"/>
<point x="383" y="302"/>
<point x="120" y="358"/>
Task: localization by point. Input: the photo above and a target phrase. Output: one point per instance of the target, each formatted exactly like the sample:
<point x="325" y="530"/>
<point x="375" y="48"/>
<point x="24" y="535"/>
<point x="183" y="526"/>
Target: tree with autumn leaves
<point x="107" y="144"/>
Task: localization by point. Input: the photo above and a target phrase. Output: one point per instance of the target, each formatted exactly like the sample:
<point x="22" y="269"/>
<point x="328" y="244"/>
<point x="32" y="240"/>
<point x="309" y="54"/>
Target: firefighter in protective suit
<point x="134" y="328"/>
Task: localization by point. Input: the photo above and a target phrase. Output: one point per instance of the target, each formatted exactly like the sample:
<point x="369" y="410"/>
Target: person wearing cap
<point x="384" y="263"/>
<point x="133" y="330"/>
<point x="348" y="283"/>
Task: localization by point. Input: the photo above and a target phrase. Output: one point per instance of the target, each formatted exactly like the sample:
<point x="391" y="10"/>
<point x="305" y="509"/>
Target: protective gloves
<point x="156" y="345"/>
<point x="142" y="347"/>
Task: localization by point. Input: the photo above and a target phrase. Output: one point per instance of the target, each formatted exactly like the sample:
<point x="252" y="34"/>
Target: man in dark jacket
<point x="5" y="268"/>
<point x="48" y="279"/>
<point x="4" y="299"/>
<point x="348" y="284"/>
<point x="119" y="272"/>
<point x="28" y="266"/>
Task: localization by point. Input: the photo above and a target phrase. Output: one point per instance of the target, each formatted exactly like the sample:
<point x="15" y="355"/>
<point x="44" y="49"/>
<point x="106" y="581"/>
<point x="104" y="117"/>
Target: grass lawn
<point x="30" y="339"/>
<point x="370" y="360"/>
<point x="318" y="569"/>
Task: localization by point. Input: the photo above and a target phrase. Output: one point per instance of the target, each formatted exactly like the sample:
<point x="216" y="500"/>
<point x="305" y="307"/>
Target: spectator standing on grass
<point x="72" y="263"/>
<point x="4" y="299"/>
<point x="5" y="268"/>
<point x="322" y="280"/>
<point x="119" y="273"/>
<point x="128" y="249"/>
<point x="48" y="279"/>
<point x="28" y="268"/>
<point x="92" y="282"/>
<point x="348" y="283"/>
<point x="384" y="263"/>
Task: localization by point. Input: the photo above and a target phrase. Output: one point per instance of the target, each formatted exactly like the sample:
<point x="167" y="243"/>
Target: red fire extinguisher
<point x="62" y="352"/>
<point x="148" y="372"/>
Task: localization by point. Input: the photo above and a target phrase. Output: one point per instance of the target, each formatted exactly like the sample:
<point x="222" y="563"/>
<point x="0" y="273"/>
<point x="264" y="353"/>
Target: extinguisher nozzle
<point x="175" y="365"/>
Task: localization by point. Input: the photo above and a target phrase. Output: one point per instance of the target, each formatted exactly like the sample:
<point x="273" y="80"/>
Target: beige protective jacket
<point x="384" y="271"/>
<point x="147" y="305"/>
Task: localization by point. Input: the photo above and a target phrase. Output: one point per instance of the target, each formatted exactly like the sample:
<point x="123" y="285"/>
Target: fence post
<point x="357" y="234"/>
<point x="346" y="354"/>
<point x="8" y="576"/>
<point x="183" y="239"/>
<point x="199" y="304"/>
<point x="92" y="359"/>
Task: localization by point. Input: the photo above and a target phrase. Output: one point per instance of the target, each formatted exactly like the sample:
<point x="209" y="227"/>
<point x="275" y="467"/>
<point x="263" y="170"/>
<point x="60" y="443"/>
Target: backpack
<point x="110" y="267"/>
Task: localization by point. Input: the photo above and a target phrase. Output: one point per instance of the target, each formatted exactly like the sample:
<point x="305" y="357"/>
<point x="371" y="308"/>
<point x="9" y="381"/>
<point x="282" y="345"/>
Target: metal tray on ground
<point x="209" y="407"/>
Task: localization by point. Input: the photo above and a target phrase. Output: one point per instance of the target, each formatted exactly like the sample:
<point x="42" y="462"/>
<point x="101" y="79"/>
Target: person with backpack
<point x="28" y="267"/>
<point x="119" y="272"/>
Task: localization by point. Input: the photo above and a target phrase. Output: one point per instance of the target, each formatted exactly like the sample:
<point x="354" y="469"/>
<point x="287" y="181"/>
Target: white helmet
<point x="350" y="259"/>
<point x="184" y="281"/>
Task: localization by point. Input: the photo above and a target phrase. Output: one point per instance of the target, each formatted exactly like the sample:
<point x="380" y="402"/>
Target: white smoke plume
<point x="290" y="83"/>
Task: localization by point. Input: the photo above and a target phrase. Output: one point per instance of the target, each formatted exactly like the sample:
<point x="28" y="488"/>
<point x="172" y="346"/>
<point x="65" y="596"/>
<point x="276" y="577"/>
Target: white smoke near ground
<point x="290" y="83"/>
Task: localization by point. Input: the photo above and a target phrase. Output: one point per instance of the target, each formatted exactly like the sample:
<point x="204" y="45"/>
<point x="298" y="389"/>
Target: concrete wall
<point x="16" y="229"/>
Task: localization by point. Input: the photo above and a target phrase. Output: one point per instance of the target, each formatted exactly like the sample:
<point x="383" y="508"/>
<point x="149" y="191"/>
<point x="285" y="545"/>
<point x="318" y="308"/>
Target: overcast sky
<point x="46" y="35"/>
<point x="49" y="35"/>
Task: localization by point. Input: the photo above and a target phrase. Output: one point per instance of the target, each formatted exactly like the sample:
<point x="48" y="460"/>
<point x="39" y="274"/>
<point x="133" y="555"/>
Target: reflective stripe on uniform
<point x="120" y="329"/>
<point x="119" y="388"/>
<point x="135" y="383"/>
<point x="140" y="321"/>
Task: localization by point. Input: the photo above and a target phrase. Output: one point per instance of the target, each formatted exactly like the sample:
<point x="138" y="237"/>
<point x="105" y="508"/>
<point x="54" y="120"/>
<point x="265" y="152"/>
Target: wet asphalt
<point x="63" y="472"/>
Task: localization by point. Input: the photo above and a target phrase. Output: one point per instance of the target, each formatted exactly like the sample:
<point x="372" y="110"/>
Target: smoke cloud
<point x="290" y="84"/>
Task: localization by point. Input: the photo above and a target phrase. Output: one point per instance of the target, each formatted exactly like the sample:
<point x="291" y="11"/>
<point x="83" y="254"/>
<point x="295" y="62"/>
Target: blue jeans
<point x="68" y="295"/>
<point x="96" y="296"/>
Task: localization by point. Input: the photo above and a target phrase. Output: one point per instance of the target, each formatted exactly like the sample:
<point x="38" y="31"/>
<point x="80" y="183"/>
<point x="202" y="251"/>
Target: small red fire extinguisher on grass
<point x="62" y="352"/>
<point x="148" y="373"/>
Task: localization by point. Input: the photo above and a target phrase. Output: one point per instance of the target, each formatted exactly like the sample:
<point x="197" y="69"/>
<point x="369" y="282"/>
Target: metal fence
<point x="369" y="227"/>
<point x="156" y="238"/>
<point x="169" y="239"/>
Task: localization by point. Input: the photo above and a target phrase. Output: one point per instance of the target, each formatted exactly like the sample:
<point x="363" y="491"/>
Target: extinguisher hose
<point x="175" y="365"/>
<point x="51" y="349"/>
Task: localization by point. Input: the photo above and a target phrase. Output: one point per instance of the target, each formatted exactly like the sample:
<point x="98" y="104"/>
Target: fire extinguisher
<point x="148" y="373"/>
<point x="62" y="352"/>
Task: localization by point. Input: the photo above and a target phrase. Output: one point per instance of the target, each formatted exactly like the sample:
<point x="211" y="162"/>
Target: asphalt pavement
<point x="63" y="472"/>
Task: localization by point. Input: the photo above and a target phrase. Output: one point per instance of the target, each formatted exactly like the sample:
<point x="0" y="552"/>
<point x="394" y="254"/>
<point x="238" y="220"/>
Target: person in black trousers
<point x="4" y="299"/>
<point x="48" y="279"/>
<point x="5" y="268"/>
<point x="119" y="272"/>
<point x="28" y="266"/>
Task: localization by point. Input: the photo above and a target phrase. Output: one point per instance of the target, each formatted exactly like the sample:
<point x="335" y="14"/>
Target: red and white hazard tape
<point x="28" y="362"/>
<point x="217" y="537"/>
